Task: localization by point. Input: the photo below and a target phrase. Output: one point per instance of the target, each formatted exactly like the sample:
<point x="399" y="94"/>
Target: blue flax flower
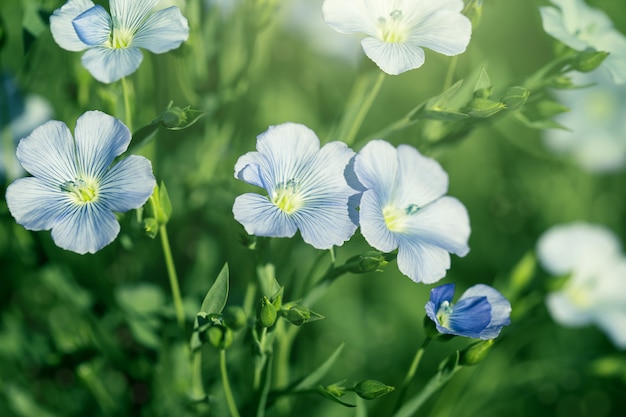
<point x="112" y="41"/>
<point x="306" y="188"/>
<point x="74" y="190"/>
<point x="480" y="313"/>
<point x="404" y="208"/>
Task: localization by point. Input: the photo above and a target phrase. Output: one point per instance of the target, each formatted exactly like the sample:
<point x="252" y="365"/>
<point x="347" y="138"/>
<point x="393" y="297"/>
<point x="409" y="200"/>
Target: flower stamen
<point x="443" y="314"/>
<point x="287" y="196"/>
<point x="81" y="191"/>
<point x="392" y="29"/>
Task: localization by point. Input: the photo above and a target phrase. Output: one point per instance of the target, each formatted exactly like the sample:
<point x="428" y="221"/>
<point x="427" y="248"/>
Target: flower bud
<point x="173" y="117"/>
<point x="367" y="262"/>
<point x="515" y="97"/>
<point x="475" y="353"/>
<point x="589" y="60"/>
<point x="266" y="313"/>
<point x="219" y="336"/>
<point x="483" y="107"/>
<point x="298" y="315"/>
<point x="235" y="317"/>
<point x="370" y="389"/>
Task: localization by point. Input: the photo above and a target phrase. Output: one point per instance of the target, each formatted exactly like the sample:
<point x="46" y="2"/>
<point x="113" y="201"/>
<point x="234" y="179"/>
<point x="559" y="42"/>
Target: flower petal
<point x="348" y="16"/>
<point x="444" y="223"/>
<point x="577" y="245"/>
<point x="421" y="180"/>
<point x="565" y="312"/>
<point x="248" y="169"/>
<point x="613" y="323"/>
<point x="93" y="26"/>
<point x="394" y="58"/>
<point x="470" y="316"/>
<point x="130" y="14"/>
<point x="444" y="31"/>
<point x="61" y="26"/>
<point x="128" y="185"/>
<point x="422" y="262"/>
<point x="111" y="64"/>
<point x="85" y="228"/>
<point x="34" y="204"/>
<point x="260" y="217"/>
<point x="440" y="294"/>
<point x="163" y="30"/>
<point x="500" y="309"/>
<point x="99" y="139"/>
<point x="372" y="222"/>
<point x="376" y="167"/>
<point x="48" y="154"/>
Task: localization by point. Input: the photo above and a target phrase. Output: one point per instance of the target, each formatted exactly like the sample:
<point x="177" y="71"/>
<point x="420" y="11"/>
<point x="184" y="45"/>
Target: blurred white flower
<point x="595" y="292"/>
<point x="580" y="27"/>
<point x="596" y="138"/>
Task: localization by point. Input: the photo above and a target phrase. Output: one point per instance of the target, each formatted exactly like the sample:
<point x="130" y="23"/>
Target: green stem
<point x="364" y="109"/>
<point x="171" y="272"/>
<point x="197" y="387"/>
<point x="411" y="372"/>
<point x="450" y="73"/>
<point x="128" y="111"/>
<point x="232" y="407"/>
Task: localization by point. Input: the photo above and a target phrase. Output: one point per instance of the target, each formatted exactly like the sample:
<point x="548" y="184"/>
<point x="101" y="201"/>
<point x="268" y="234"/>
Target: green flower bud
<point x="367" y="262"/>
<point x="370" y="389"/>
<point x="589" y="60"/>
<point x="562" y="83"/>
<point x="266" y="313"/>
<point x="235" y="317"/>
<point x="483" y="107"/>
<point x="475" y="353"/>
<point x="515" y="97"/>
<point x="298" y="315"/>
<point x="219" y="336"/>
<point x="174" y="117"/>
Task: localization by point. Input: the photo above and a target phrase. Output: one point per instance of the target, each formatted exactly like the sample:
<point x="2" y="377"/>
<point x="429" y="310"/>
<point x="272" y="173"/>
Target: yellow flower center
<point x="287" y="196"/>
<point x="395" y="217"/>
<point x="82" y="191"/>
<point x="393" y="29"/>
<point x="443" y="314"/>
<point x="120" y="38"/>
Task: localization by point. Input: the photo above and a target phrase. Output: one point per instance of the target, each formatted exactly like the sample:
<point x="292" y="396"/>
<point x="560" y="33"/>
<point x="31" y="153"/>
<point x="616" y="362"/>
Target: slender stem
<point x="171" y="272"/>
<point x="450" y="73"/>
<point x="364" y="109"/>
<point x="128" y="111"/>
<point x="411" y="372"/>
<point x="232" y="407"/>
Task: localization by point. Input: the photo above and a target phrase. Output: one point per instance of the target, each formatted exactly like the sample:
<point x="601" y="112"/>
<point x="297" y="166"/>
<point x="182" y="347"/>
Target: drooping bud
<point x="370" y="389"/>
<point x="475" y="353"/>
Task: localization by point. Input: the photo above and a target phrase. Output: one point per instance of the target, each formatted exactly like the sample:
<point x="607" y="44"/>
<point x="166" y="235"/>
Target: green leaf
<point x="215" y="299"/>
<point x="483" y="87"/>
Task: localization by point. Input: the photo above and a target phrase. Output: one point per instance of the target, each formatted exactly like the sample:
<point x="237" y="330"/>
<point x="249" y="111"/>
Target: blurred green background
<point x="95" y="335"/>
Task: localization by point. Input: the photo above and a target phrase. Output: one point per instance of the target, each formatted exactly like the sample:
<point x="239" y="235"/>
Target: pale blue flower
<point x="480" y="313"/>
<point x="112" y="42"/>
<point x="581" y="27"/>
<point x="74" y="190"/>
<point x="591" y="256"/>
<point x="596" y="127"/>
<point x="397" y="31"/>
<point x="305" y="185"/>
<point x="404" y="208"/>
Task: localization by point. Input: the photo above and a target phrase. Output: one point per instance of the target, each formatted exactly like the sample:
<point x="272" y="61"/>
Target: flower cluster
<point x="113" y="41"/>
<point x="316" y="191"/>
<point x="590" y="255"/>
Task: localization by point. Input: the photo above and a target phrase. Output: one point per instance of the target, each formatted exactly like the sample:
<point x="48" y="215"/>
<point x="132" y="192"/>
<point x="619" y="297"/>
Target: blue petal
<point x="470" y="316"/>
<point x="128" y="185"/>
<point x="130" y="14"/>
<point x="373" y="225"/>
<point x="260" y="217"/>
<point x="85" y="228"/>
<point x="500" y="308"/>
<point x="93" y="26"/>
<point x="376" y="167"/>
<point x="34" y="204"/>
<point x="108" y="65"/>
<point x="162" y="31"/>
<point x="422" y="262"/>
<point x="248" y="169"/>
<point x="437" y="296"/>
<point x="444" y="223"/>
<point x="61" y="26"/>
<point x="99" y="139"/>
<point x="420" y="180"/>
<point x="48" y="154"/>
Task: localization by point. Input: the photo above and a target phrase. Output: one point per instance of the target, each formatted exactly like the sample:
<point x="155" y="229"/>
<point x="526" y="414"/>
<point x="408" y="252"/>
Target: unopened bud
<point x="367" y="262"/>
<point x="589" y="60"/>
<point x="174" y="117"/>
<point x="515" y="97"/>
<point x="266" y="313"/>
<point x="483" y="107"/>
<point x="475" y="353"/>
<point x="370" y="389"/>
<point x="219" y="336"/>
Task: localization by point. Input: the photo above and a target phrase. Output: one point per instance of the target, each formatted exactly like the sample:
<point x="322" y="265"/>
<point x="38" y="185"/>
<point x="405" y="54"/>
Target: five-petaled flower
<point x="397" y="30"/>
<point x="306" y="188"/>
<point x="480" y="313"/>
<point x="74" y="190"/>
<point x="594" y="292"/>
<point x="581" y="27"/>
<point x="113" y="41"/>
<point x="403" y="207"/>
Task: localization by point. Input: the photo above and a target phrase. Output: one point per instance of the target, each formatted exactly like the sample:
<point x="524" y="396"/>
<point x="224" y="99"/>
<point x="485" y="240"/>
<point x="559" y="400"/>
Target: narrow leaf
<point x="215" y="299"/>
